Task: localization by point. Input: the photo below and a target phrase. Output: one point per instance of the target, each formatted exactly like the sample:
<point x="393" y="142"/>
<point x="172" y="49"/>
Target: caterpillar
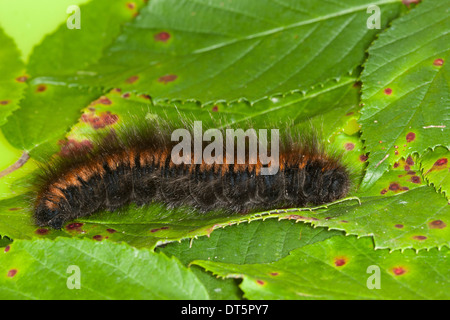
<point x="137" y="166"/>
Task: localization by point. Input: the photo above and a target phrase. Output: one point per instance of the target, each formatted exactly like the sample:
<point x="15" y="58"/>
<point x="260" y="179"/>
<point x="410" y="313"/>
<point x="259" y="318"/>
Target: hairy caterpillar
<point x="136" y="167"/>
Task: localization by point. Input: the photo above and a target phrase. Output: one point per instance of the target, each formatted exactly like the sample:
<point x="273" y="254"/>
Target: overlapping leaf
<point x="392" y="211"/>
<point x="247" y="53"/>
<point x="249" y="243"/>
<point x="436" y="169"/>
<point x="406" y="88"/>
<point x="343" y="268"/>
<point x="105" y="271"/>
<point x="12" y="77"/>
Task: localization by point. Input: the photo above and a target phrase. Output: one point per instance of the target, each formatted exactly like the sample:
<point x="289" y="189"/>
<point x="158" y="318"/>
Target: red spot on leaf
<point x="396" y="165"/>
<point x="41" y="88"/>
<point x="132" y="79"/>
<point x="162" y="36"/>
<point x="42" y="232"/>
<point x="408" y="2"/>
<point x="383" y="191"/>
<point x="12" y="273"/>
<point x="398" y="271"/>
<point x="349" y="146"/>
<point x="131" y="5"/>
<point x="111" y="230"/>
<point x="363" y="158"/>
<point x="4" y="102"/>
<point x="98" y="237"/>
<point x="421" y="238"/>
<point x="162" y="228"/>
<point x="411" y="136"/>
<point x="260" y="282"/>
<point x="415" y="179"/>
<point x="394" y="186"/>
<point x="104" y="100"/>
<point x="437" y="224"/>
<point x="22" y="79"/>
<point x="388" y="91"/>
<point x="399" y="226"/>
<point x="410" y="161"/>
<point x="438" y="62"/>
<point x="7" y="248"/>
<point x="215" y="108"/>
<point x="168" y="78"/>
<point x="102" y="120"/>
<point x="76" y="226"/>
<point x="274" y="274"/>
<point x="126" y="95"/>
<point x="340" y="261"/>
<point x="441" y="162"/>
<point x="108" y="118"/>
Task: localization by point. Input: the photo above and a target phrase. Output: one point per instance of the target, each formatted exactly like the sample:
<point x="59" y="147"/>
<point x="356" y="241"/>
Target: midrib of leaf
<point x="291" y="26"/>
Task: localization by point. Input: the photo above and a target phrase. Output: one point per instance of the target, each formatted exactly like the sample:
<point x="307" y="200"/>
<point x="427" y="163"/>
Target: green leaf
<point x="4" y="242"/>
<point x="67" y="51"/>
<point x="406" y="85"/>
<point x="342" y="268"/>
<point x="107" y="271"/>
<point x="394" y="221"/>
<point x="28" y="22"/>
<point x="12" y="77"/>
<point x="218" y="288"/>
<point x="48" y="110"/>
<point x="248" y="243"/>
<point x="190" y="54"/>
<point x="255" y="242"/>
<point x="436" y="169"/>
<point x="15" y="223"/>
<point x="45" y="114"/>
<point x="389" y="212"/>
